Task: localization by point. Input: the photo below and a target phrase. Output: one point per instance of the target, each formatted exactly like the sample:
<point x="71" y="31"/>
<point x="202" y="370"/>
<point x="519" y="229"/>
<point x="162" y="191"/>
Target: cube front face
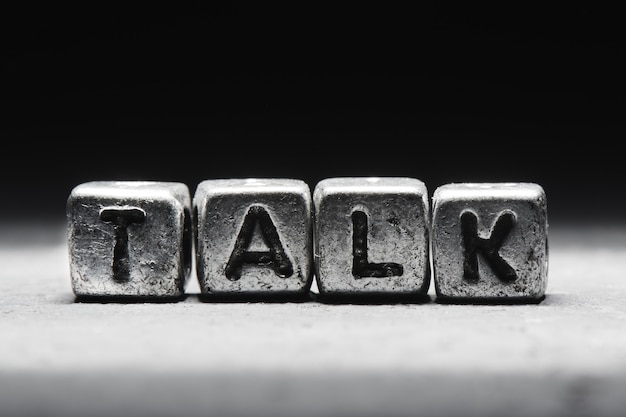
<point x="129" y="238"/>
<point x="371" y="236"/>
<point x="490" y="241"/>
<point x="253" y="236"/>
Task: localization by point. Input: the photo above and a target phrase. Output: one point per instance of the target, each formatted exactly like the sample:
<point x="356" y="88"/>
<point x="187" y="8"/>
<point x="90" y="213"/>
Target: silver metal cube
<point x="490" y="241"/>
<point x="253" y="237"/>
<point x="371" y="236"/>
<point x="129" y="238"/>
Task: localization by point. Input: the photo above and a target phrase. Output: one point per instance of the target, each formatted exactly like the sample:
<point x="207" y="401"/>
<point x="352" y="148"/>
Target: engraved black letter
<point x="121" y="217"/>
<point x="489" y="248"/>
<point x="275" y="257"/>
<point x="360" y="266"/>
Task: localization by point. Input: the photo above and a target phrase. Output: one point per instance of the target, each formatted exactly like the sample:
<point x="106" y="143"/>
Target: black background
<point x="192" y="91"/>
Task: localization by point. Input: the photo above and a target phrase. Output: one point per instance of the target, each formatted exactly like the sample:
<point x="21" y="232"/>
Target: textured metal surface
<point x="129" y="238"/>
<point x="253" y="236"/>
<point x="371" y="236"/>
<point x="490" y="240"/>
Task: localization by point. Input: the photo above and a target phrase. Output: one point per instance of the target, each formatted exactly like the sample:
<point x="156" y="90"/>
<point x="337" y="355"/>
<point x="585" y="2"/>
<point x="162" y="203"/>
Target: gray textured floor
<point x="563" y="357"/>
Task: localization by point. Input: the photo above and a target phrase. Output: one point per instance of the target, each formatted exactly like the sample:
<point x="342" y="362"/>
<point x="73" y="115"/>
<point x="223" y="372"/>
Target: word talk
<point x="354" y="236"/>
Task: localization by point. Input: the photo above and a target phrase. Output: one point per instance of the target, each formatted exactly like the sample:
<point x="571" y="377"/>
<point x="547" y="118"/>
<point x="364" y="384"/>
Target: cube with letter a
<point x="129" y="238"/>
<point x="371" y="236"/>
<point x="253" y="237"/>
<point x="489" y="241"/>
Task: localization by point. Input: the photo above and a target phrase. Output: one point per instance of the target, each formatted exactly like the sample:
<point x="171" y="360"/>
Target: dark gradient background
<point x="192" y="91"/>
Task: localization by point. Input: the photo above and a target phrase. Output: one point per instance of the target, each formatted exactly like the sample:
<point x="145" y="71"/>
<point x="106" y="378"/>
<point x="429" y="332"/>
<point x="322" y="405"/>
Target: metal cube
<point x="371" y="236"/>
<point x="490" y="241"/>
<point x="253" y="236"/>
<point x="129" y="238"/>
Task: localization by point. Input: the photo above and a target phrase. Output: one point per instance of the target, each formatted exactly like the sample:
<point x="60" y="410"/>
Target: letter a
<point x="275" y="257"/>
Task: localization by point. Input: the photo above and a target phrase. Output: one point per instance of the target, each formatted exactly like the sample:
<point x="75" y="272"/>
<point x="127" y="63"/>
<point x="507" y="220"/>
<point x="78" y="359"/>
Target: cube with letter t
<point x="253" y="237"/>
<point x="129" y="238"/>
<point x="371" y="237"/>
<point x="490" y="242"/>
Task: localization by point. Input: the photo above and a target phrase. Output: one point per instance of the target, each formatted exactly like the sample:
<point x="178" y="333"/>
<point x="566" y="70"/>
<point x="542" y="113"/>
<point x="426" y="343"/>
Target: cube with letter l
<point x="371" y="236"/>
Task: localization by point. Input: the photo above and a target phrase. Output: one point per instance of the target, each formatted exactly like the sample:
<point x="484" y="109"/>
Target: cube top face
<point x="490" y="191"/>
<point x="253" y="236"/>
<point x="129" y="238"/>
<point x="369" y="185"/>
<point x="237" y="186"/>
<point x="371" y="236"/>
<point x="490" y="240"/>
<point x="133" y="190"/>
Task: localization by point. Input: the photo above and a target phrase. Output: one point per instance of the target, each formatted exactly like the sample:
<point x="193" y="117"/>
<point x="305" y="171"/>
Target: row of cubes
<point x="354" y="235"/>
